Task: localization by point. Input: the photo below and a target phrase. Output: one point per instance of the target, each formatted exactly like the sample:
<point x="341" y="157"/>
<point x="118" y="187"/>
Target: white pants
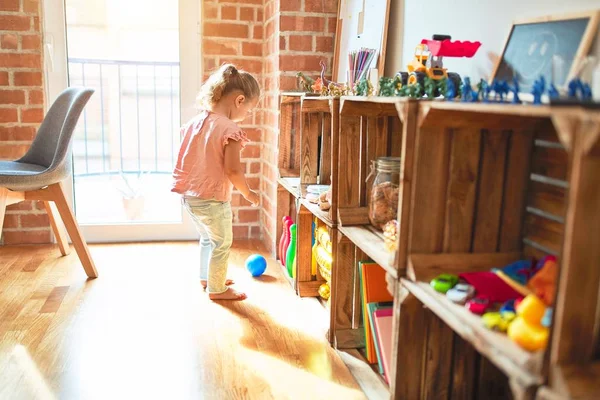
<point x="213" y="221"/>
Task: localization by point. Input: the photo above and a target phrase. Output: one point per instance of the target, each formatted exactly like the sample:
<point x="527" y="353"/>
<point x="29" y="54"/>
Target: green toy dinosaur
<point x="305" y="83"/>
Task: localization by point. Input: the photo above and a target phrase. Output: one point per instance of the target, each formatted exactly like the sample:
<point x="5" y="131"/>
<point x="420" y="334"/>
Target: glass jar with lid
<point x="384" y="191"/>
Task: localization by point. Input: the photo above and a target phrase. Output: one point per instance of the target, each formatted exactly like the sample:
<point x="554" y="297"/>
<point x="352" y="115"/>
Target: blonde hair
<point x="224" y="81"/>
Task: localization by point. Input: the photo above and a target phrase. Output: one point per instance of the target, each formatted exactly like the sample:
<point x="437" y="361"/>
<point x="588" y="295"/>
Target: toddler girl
<point x="208" y="167"/>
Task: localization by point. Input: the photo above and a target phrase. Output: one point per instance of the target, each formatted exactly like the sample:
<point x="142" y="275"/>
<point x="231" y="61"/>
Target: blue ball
<point x="256" y="265"/>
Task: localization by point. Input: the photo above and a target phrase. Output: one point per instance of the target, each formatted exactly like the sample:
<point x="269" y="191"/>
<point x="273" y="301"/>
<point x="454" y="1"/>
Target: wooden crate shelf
<point x="482" y="185"/>
<point x="290" y="184"/>
<point x="317" y="212"/>
<point x="518" y="364"/>
<point x="371" y="242"/>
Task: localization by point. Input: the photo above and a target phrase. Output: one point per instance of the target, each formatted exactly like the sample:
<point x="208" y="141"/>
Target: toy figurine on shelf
<point x="500" y="90"/>
<point x="305" y="83"/>
<point x="317" y="86"/>
<point x="488" y="90"/>
<point x="481" y="89"/>
<point x="573" y="87"/>
<point x="539" y="86"/>
<point x="330" y="88"/>
<point x="515" y="91"/>
<point x="586" y="92"/>
<point x="386" y="86"/>
<point x="430" y="88"/>
<point x="398" y="85"/>
<point x="466" y="89"/>
<point x="442" y="86"/>
<point x="363" y="88"/>
<point x="450" y="93"/>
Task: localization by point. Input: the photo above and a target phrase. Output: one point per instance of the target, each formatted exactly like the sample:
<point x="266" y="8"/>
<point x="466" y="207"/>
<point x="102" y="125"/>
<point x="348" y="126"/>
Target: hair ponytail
<point x="224" y="81"/>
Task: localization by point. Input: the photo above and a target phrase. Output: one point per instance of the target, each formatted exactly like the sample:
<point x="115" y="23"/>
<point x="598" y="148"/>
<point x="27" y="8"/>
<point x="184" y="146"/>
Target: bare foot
<point x="228" y="282"/>
<point x="229" y="294"/>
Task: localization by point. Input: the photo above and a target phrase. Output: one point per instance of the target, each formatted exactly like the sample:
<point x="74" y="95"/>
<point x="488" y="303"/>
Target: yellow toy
<point x="527" y="330"/>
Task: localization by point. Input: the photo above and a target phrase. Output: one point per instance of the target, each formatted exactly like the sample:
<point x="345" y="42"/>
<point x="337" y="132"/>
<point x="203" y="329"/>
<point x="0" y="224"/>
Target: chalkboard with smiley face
<point x="549" y="48"/>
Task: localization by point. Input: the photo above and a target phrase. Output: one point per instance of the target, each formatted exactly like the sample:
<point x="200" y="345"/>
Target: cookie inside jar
<point x="385" y="188"/>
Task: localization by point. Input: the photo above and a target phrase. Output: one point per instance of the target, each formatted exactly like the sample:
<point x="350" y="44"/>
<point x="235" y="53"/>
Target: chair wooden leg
<point x="58" y="196"/>
<point x="59" y="232"/>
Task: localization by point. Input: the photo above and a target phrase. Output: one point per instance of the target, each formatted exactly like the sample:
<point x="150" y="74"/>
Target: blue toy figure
<point x="553" y="92"/>
<point x="573" y="87"/>
<point x="466" y="89"/>
<point x="450" y="90"/>
<point x="515" y="91"/>
<point x="256" y="265"/>
<point x="586" y="92"/>
<point x="488" y="90"/>
<point x="538" y="90"/>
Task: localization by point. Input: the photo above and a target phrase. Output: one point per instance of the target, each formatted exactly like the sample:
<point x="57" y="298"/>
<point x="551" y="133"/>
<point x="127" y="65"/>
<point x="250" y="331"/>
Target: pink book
<point x="383" y="328"/>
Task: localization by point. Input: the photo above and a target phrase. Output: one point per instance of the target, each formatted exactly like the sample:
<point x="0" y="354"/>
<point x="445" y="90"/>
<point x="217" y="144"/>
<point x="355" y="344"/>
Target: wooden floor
<point x="145" y="330"/>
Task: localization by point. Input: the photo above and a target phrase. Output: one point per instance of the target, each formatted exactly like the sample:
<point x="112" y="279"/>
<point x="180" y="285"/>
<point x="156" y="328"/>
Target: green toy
<point x="444" y="282"/>
<point x="386" y="86"/>
<point x="398" y="87"/>
<point x="431" y="89"/>
<point x="481" y="86"/>
<point x="442" y="86"/>
<point x="291" y="251"/>
<point x="363" y="88"/>
<point x="305" y="83"/>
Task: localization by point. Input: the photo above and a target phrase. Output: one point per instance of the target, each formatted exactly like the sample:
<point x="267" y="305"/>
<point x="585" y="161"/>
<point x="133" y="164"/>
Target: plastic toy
<point x="460" y="293"/>
<point x="363" y="88"/>
<point x="573" y="87"/>
<point x="287" y="223"/>
<point x="291" y="251"/>
<point x="488" y="90"/>
<point x="428" y="59"/>
<point x="527" y="329"/>
<point x="466" y="89"/>
<point x="515" y="91"/>
<point x="543" y="283"/>
<point x="324" y="291"/>
<point x="256" y="265"/>
<point x="329" y="88"/>
<point x="508" y="307"/>
<point x="497" y="321"/>
<point x="450" y="90"/>
<point x="478" y="305"/>
<point x="386" y="86"/>
<point x="539" y="86"/>
<point x="547" y="318"/>
<point x="481" y="90"/>
<point x="586" y="92"/>
<point x="444" y="282"/>
<point x="431" y="89"/>
<point x="305" y="83"/>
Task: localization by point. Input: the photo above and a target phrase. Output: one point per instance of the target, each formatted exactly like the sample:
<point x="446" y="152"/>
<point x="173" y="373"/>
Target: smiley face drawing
<point x="536" y="56"/>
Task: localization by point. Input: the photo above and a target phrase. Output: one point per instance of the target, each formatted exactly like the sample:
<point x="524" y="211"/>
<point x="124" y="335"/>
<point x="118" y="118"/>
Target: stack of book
<point x="377" y="316"/>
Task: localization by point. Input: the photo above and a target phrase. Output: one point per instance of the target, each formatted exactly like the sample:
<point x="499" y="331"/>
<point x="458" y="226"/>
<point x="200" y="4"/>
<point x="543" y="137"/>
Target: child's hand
<point x="253" y="198"/>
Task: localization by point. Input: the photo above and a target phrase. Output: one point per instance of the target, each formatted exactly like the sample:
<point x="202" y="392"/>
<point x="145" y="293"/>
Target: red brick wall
<point x="233" y="32"/>
<point x="298" y="35"/>
<point x="21" y="107"/>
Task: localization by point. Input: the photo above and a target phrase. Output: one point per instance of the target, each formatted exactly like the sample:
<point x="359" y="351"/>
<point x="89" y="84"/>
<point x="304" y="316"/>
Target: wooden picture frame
<point x="339" y="32"/>
<point x="582" y="51"/>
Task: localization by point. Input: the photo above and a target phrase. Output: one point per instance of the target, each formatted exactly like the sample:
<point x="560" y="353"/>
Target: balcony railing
<point x="131" y="124"/>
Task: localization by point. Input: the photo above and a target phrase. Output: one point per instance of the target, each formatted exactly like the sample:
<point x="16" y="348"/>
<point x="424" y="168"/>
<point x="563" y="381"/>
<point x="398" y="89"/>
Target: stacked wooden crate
<point x="482" y="185"/>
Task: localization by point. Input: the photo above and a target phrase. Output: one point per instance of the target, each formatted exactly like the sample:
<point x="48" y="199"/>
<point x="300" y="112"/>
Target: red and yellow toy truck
<point x="428" y="60"/>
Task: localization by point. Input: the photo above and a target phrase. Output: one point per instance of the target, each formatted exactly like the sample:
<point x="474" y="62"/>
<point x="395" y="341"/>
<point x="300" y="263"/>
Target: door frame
<point x="190" y="66"/>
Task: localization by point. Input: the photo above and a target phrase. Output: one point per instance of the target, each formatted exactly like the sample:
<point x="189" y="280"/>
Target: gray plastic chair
<point x="39" y="173"/>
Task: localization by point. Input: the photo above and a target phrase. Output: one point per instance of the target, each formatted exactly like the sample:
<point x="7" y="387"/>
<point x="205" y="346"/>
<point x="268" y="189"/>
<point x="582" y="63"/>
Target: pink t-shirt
<point x="200" y="168"/>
